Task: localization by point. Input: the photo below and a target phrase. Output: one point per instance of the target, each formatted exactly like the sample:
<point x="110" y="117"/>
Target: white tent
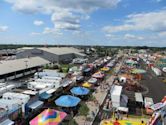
<point x="123" y="79"/>
<point x="164" y="69"/>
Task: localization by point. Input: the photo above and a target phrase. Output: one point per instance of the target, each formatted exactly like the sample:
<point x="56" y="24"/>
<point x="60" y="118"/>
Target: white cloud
<point x="35" y="33"/>
<point x="158" y="0"/>
<point x="3" y="28"/>
<point x="162" y="34"/>
<point x="65" y="14"/>
<point x="152" y="21"/>
<point x="52" y="31"/>
<point x="38" y="22"/>
<point x="132" y="37"/>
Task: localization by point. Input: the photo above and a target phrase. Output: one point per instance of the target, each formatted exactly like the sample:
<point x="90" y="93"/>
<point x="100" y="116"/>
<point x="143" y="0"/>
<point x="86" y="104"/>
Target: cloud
<point x="38" y="22"/>
<point x="48" y="30"/>
<point x="65" y="14"/>
<point x="162" y="34"/>
<point x="132" y="37"/>
<point x="152" y="21"/>
<point x="158" y="1"/>
<point x="35" y="33"/>
<point x="3" y="28"/>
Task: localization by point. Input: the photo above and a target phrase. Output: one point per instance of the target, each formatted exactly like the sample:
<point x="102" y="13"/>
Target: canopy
<point x="131" y="62"/>
<point x="45" y="95"/>
<point x="87" y="70"/>
<point x="48" y="117"/>
<point x="92" y="80"/>
<point x="126" y="76"/>
<point x="79" y="91"/>
<point x="157" y="106"/>
<point x="105" y="69"/>
<point x="164" y="69"/>
<point x="138" y="97"/>
<point x="87" y="85"/>
<point x="67" y="101"/>
<point x="74" y="69"/>
<point x="123" y="109"/>
<point x="138" y="71"/>
<point x="7" y="122"/>
<point x="51" y="91"/>
<point x="98" y="75"/>
<point x="79" y="78"/>
<point x="36" y="105"/>
<point x="122" y="122"/>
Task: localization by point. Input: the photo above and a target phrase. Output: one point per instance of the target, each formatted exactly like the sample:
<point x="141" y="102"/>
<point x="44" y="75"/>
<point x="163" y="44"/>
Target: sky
<point x="83" y="22"/>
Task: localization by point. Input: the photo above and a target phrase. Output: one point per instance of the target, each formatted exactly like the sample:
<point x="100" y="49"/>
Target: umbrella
<point x="79" y="91"/>
<point x="67" y="101"/>
<point x="48" y="117"/>
<point x="87" y="85"/>
<point x="138" y="71"/>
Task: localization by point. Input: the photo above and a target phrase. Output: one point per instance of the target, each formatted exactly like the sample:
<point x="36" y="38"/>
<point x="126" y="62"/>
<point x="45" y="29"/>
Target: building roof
<point x="16" y="95"/>
<point x="138" y="97"/>
<point x="20" y="64"/>
<point x="62" y="50"/>
<point x="117" y="90"/>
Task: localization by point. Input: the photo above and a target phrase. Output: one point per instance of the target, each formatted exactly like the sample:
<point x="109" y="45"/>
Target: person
<point x="142" y="123"/>
<point x="116" y="122"/>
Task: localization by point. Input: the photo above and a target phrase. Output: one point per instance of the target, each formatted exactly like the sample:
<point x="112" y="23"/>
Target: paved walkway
<point x="100" y="95"/>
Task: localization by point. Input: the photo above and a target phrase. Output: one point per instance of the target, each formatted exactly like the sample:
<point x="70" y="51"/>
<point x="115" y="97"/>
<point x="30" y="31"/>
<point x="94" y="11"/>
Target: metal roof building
<point x="12" y="69"/>
<point x="52" y="54"/>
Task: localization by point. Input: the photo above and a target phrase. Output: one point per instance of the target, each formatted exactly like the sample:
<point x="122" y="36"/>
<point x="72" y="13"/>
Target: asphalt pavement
<point x="157" y="89"/>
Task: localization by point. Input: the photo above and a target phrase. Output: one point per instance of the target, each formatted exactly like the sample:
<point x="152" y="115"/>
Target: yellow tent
<point x="105" y="69"/>
<point x="87" y="85"/>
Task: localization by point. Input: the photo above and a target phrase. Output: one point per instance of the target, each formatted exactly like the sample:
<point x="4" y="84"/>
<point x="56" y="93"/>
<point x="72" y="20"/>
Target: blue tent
<point x="67" y="101"/>
<point x="79" y="91"/>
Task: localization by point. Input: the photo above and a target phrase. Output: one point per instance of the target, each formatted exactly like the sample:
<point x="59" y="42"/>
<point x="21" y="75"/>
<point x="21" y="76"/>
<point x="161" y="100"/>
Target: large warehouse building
<point x="13" y="69"/>
<point x="52" y="54"/>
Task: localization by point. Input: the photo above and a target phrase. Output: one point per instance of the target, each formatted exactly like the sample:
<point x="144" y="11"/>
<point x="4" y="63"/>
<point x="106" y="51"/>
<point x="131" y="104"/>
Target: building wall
<point x="66" y="57"/>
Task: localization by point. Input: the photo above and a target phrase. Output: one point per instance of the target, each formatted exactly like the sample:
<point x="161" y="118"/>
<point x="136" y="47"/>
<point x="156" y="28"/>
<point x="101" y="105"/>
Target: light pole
<point x="26" y="64"/>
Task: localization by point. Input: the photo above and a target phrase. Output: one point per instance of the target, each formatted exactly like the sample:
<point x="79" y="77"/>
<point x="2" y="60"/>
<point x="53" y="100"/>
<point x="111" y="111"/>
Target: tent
<point x="105" y="69"/>
<point x="67" y="101"/>
<point x="87" y="85"/>
<point x="48" y="117"/>
<point x="98" y="75"/>
<point x="164" y="69"/>
<point x="79" y="91"/>
<point x="92" y="80"/>
<point x="122" y="122"/>
<point x="138" y="71"/>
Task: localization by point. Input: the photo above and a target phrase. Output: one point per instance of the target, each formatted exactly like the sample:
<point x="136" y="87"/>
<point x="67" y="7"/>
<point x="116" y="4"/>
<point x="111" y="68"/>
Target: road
<point x="157" y="89"/>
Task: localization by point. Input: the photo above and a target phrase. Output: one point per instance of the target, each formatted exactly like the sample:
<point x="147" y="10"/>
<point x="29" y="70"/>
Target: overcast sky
<point x="83" y="22"/>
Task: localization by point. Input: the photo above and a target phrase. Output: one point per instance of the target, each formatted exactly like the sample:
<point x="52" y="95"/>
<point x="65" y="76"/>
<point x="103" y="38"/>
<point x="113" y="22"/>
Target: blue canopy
<point x="79" y="91"/>
<point x="67" y="101"/>
<point x="45" y="95"/>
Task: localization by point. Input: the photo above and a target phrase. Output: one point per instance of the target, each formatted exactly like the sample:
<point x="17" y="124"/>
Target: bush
<point x="46" y="66"/>
<point x="92" y="98"/>
<point x="83" y="110"/>
<point x="71" y="122"/>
